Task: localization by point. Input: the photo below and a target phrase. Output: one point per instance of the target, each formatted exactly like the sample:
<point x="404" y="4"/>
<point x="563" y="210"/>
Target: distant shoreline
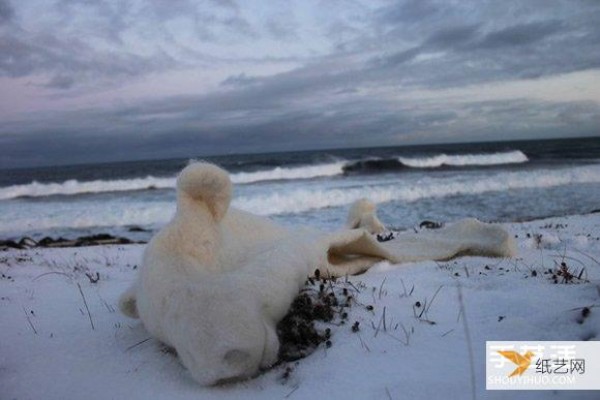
<point x="105" y="239"/>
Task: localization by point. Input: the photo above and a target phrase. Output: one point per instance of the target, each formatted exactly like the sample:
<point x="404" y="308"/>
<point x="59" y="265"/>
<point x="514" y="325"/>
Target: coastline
<point x="63" y="336"/>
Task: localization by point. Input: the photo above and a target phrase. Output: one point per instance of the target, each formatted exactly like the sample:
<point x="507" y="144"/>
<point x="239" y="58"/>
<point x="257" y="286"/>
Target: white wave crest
<point x="22" y="216"/>
<point x="511" y="157"/>
<point x="72" y="187"/>
<point x="279" y="173"/>
<point x="302" y="200"/>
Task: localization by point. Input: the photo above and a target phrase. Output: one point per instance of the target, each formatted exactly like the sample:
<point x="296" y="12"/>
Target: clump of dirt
<point x="320" y="302"/>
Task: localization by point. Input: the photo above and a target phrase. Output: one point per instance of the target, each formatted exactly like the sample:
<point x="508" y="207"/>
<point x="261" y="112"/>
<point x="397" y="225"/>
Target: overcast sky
<point x="92" y="80"/>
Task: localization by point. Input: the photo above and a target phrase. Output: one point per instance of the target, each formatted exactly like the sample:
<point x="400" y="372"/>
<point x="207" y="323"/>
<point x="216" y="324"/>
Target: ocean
<point x="502" y="181"/>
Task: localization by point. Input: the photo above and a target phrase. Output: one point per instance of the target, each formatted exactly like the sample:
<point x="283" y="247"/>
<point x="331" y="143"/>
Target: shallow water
<point x="505" y="181"/>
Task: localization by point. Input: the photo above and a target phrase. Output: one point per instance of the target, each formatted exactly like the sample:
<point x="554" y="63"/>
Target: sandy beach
<point x="63" y="337"/>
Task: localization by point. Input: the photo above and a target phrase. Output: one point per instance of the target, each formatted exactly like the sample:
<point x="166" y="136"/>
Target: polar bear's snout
<point x="219" y="368"/>
<point x="219" y="332"/>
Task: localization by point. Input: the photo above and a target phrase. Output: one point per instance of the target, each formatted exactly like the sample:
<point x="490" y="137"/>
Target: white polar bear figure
<point x="215" y="281"/>
<point x="363" y="215"/>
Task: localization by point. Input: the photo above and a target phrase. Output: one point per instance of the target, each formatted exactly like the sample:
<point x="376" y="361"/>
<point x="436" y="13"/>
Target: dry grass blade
<point x="432" y="299"/>
<point x="51" y="273"/>
<point x="29" y="320"/>
<point x="86" y="306"/>
<point x="381" y="287"/>
<point x="293" y="390"/>
<point x="587" y="255"/>
<point x="137" y="344"/>
<point x="387" y="391"/>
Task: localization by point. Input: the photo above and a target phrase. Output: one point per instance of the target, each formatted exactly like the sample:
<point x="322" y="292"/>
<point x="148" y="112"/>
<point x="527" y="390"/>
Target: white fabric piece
<point x="215" y="281"/>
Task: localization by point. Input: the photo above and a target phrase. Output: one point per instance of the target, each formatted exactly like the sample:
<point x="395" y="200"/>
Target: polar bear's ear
<point x="204" y="182"/>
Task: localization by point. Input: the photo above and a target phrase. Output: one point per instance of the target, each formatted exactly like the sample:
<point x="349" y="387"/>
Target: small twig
<point x="587" y="255"/>
<point x="581" y="308"/>
<point x="387" y="391"/>
<point x="355" y="288"/>
<point x="363" y="344"/>
<point x="397" y="339"/>
<point x="432" y="299"/>
<point x="403" y="288"/>
<point x="406" y="334"/>
<point x="29" y="320"/>
<point x="49" y="273"/>
<point x="293" y="390"/>
<point x="86" y="306"/>
<point x="137" y="344"/>
<point x="381" y="287"/>
<point x="379" y="324"/>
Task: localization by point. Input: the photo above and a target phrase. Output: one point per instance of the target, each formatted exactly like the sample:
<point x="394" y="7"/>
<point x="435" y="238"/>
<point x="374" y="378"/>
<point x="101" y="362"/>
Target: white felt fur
<point x="363" y="215"/>
<point x="192" y="293"/>
<point x="215" y="281"/>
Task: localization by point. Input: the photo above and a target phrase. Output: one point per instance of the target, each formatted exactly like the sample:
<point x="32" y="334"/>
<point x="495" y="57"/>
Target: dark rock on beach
<point x="136" y="228"/>
<point x="430" y="225"/>
<point x="9" y="244"/>
<point x="49" y="242"/>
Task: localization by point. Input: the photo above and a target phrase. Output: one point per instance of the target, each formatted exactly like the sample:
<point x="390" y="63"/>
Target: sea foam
<point x="279" y="173"/>
<point x="302" y="200"/>
<point x="511" y="157"/>
<point x="75" y="187"/>
<point x="275" y="199"/>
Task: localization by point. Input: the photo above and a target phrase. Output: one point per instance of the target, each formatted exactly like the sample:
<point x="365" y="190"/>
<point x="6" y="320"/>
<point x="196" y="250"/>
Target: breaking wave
<point x="113" y="212"/>
<point x="280" y="173"/>
<point x="375" y="165"/>
<point x="302" y="200"/>
<point x="511" y="157"/>
<point x="75" y="187"/>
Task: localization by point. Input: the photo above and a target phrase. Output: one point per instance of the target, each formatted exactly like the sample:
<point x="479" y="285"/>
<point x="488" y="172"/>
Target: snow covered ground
<point x="62" y="337"/>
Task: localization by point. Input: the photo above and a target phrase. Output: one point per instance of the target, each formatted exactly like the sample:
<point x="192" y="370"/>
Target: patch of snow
<point x="419" y="350"/>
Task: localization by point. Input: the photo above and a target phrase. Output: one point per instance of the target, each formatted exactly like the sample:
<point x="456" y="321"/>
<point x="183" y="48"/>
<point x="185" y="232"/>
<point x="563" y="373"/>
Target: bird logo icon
<point x="522" y="361"/>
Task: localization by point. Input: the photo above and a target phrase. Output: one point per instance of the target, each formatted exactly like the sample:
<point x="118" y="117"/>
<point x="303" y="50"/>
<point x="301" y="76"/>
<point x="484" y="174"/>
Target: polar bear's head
<point x="220" y="333"/>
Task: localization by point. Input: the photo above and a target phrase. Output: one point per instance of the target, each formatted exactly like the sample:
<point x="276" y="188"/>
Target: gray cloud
<point x="451" y="37"/>
<point x="238" y="80"/>
<point x="268" y="117"/>
<point x="521" y="34"/>
<point x="329" y="99"/>
<point x="60" y="82"/>
<point x="6" y="11"/>
<point x="72" y="60"/>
